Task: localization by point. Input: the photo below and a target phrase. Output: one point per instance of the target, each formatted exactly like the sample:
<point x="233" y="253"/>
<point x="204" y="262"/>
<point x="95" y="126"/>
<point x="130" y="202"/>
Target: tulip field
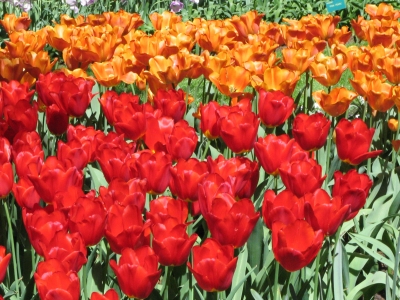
<point x="170" y="153"/>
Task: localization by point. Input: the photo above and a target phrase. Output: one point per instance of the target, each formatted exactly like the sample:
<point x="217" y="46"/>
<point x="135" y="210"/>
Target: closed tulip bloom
<point x="273" y="151"/>
<point x="393" y="125"/>
<point x="302" y="177"/>
<point x="4" y="261"/>
<point x="208" y="119"/>
<point x="336" y="102"/>
<point x="54" y="281"/>
<point x="311" y="131"/>
<point x="213" y="265"/>
<point x="137" y="271"/>
<point x="6" y="179"/>
<point x="231" y="222"/>
<point x="274" y="108"/>
<point x="182" y="141"/>
<point x="171" y="103"/>
<point x="353" y="188"/>
<point x="295" y="245"/>
<point x="353" y="140"/>
<point x="165" y="207"/>
<point x="325" y="213"/>
<point x="111" y="294"/>
<point x="239" y="130"/>
<point x="25" y="193"/>
<point x="284" y="208"/>
<point x="171" y="243"/>
<point x="185" y="177"/>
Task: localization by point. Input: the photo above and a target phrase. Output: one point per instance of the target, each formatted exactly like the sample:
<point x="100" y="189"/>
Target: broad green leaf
<point x="240" y="283"/>
<point x="378" y="278"/>
<point x="240" y="272"/>
<point x="338" y="271"/>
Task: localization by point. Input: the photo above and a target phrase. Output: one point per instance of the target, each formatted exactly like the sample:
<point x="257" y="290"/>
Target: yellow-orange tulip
<point x="382" y="11"/>
<point x="124" y="21"/>
<point x="231" y="81"/>
<point x="76" y="73"/>
<point x="315" y="46"/>
<point x="336" y="102"/>
<point x="358" y="58"/>
<point x="272" y="31"/>
<point x="379" y="95"/>
<point x="215" y="63"/>
<point x="378" y="54"/>
<point x="216" y="33"/>
<point x="246" y="24"/>
<point x="96" y="20"/>
<point x="294" y="33"/>
<point x="340" y="36"/>
<point x="59" y="36"/>
<point x="393" y="124"/>
<point x="358" y="26"/>
<point x="375" y="34"/>
<point x="258" y="67"/>
<point x="296" y="60"/>
<point x="11" y="69"/>
<point x="391" y="69"/>
<point x="242" y="53"/>
<point x="277" y="79"/>
<point x="396" y="96"/>
<point x="111" y="73"/>
<point x="165" y="20"/>
<point x="327" y="70"/>
<point x="132" y="35"/>
<point x="361" y="81"/>
<point x="25" y="41"/>
<point x="320" y="26"/>
<point x="38" y="63"/>
<point x="13" y="23"/>
<point x="69" y="21"/>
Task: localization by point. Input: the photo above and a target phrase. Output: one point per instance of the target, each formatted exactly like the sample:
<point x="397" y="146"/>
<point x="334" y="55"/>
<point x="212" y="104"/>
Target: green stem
<point x="316" y="276"/>
<point x="204" y="154"/>
<point x="396" y="265"/>
<point x="328" y="153"/>
<point x="13" y="252"/>
<point x="276" y="281"/>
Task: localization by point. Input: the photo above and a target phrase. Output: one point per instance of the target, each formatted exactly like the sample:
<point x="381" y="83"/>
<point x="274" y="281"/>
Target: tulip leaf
<point x="236" y="288"/>
<point x="199" y="293"/>
<point x="240" y="272"/>
<point x="97" y="177"/>
<point x="255" y="295"/>
<point x="395" y="207"/>
<point x="214" y="152"/>
<point x="378" y="278"/>
<point x="337" y="271"/>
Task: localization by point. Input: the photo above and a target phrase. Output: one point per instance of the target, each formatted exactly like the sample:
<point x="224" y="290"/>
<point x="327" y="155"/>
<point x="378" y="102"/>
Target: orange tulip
<point x="396" y="96"/>
<point x="393" y="125"/>
<point x="214" y="63"/>
<point x="13" y="23"/>
<point x="376" y="34"/>
<point x="95" y="20"/>
<point x="111" y="73"/>
<point x="358" y="58"/>
<point x="321" y="26"/>
<point x="246" y="24"/>
<point x="391" y="69"/>
<point x="231" y="81"/>
<point x="378" y="53"/>
<point x="315" y="46"/>
<point x="11" y="69"/>
<point x="214" y="34"/>
<point x="277" y="79"/>
<point x="24" y="41"/>
<point x="75" y="72"/>
<point x="69" y="21"/>
<point x="296" y="60"/>
<point x="165" y="20"/>
<point x="358" y="26"/>
<point x="340" y="36"/>
<point x="383" y="11"/>
<point x="59" y="36"/>
<point x="123" y="20"/>
<point x="257" y="51"/>
<point x="272" y="31"/>
<point x="379" y="95"/>
<point x="293" y="33"/>
<point x="396" y="145"/>
<point x="336" y="102"/>
<point x="38" y="63"/>
<point x="328" y="70"/>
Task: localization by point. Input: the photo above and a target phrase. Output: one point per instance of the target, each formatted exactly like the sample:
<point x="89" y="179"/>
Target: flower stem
<point x="316" y="276"/>
<point x="276" y="281"/>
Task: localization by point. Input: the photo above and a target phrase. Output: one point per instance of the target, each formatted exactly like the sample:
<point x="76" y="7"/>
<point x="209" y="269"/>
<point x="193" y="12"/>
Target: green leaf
<point x="337" y="272"/>
<point x="236" y="288"/>
<point x="378" y="278"/>
<point x="240" y="272"/>
<point x="255" y="295"/>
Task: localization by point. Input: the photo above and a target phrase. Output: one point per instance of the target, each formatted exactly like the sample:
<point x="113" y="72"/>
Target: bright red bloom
<point x="284" y="207"/>
<point x="55" y="281"/>
<point x="158" y="128"/>
<point x="72" y="154"/>
<point x="182" y="141"/>
<point x="239" y="130"/>
<point x="125" y="228"/>
<point x="208" y="119"/>
<point x="27" y="142"/>
<point x="71" y="94"/>
<point x="56" y="119"/>
<point x="25" y="193"/>
<point x="325" y="213"/>
<point x="273" y="151"/>
<point x="274" y="108"/>
<point x="231" y="222"/>
<point x="171" y="102"/>
<point x="311" y="131"/>
<point x="111" y="294"/>
<point x="353" y="139"/>
<point x="240" y="172"/>
<point x="213" y="265"/>
<point x="28" y="164"/>
<point x="6" y="179"/>
<point x="130" y="120"/>
<point x="13" y="92"/>
<point x="185" y="177"/>
<point x="5" y="151"/>
<point x="155" y="167"/>
<point x="295" y="245"/>
<point x="165" y="207"/>
<point x="353" y="188"/>
<point x="67" y="248"/>
<point x="4" y="261"/>
<point x="171" y="243"/>
<point x="88" y="217"/>
<point x="302" y="177"/>
<point x="137" y="271"/>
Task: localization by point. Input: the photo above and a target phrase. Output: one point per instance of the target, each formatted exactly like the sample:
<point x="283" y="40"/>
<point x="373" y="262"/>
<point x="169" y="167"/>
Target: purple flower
<point x="176" y="6"/>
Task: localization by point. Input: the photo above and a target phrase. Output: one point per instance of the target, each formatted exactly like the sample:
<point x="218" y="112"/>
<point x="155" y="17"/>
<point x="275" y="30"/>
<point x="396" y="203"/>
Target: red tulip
<point x="111" y="294"/>
<point x="72" y="154"/>
<point x="311" y="131"/>
<point x="25" y="193"/>
<point x="6" y="179"/>
<point x="27" y="142"/>
<point x="353" y="188"/>
<point x="55" y="281"/>
<point x="155" y="167"/>
<point x="28" y="164"/>
<point x="125" y="228"/>
<point x="4" y="261"/>
<point x="208" y="119"/>
<point x="88" y="217"/>
<point x="295" y="245"/>
<point x="130" y="121"/>
<point x="5" y="150"/>
<point x="353" y="140"/>
<point x="274" y="108"/>
<point x="182" y="141"/>
<point x="13" y="92"/>
<point x="185" y="177"/>
<point x="165" y="207"/>
<point x="20" y="117"/>
<point x="67" y="248"/>
<point x="325" y="213"/>
<point x="231" y="222"/>
<point x="213" y="265"/>
<point x="171" y="243"/>
<point x="273" y="151"/>
<point x="57" y="120"/>
<point x="172" y="103"/>
<point x="284" y="208"/>
<point x="137" y="271"/>
<point x="302" y="177"/>
<point x="239" y="130"/>
<point x="158" y="128"/>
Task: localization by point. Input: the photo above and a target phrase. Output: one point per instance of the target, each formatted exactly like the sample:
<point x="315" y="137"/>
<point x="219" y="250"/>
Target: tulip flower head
<point x="176" y="6"/>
